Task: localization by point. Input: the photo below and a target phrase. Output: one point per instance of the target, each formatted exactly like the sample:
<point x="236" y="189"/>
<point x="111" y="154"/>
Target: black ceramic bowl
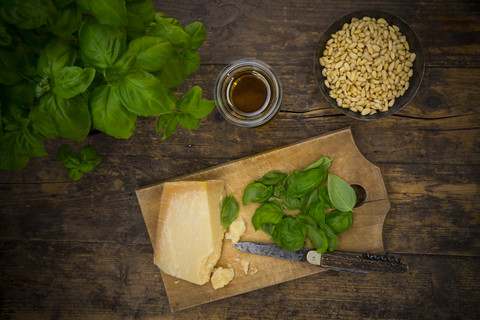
<point x="415" y="46"/>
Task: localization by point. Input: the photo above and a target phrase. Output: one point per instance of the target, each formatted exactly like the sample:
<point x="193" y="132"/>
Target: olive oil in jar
<point x="248" y="92"/>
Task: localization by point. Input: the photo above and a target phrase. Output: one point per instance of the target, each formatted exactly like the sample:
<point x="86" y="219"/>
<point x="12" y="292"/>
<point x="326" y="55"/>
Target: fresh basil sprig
<point x="73" y="66"/>
<point x="322" y="204"/>
<point x="78" y="163"/>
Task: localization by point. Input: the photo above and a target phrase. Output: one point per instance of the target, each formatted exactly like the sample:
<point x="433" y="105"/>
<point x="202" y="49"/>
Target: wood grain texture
<point x="81" y="250"/>
<point x="76" y="280"/>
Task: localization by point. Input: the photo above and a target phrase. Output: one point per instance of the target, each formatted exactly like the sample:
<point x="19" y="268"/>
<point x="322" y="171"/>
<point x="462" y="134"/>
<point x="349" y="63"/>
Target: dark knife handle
<point x="356" y="262"/>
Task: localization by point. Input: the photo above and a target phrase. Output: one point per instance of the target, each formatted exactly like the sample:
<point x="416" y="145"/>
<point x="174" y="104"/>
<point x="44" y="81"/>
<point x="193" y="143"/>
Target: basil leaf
<point x="11" y="65"/>
<point x="135" y="27"/>
<point x="26" y="14"/>
<point x="111" y="12"/>
<point x="152" y="53"/>
<point x="268" y="212"/>
<point x="197" y="33"/>
<point x="274" y="201"/>
<point x="78" y="163"/>
<point x="173" y="74"/>
<point x="120" y="68"/>
<point x="279" y="191"/>
<point x="188" y="121"/>
<point x="290" y="178"/>
<point x="256" y="192"/>
<point x="100" y="44"/>
<point x="173" y="32"/>
<point x="22" y="92"/>
<point x="143" y="9"/>
<point x="272" y="178"/>
<point x="290" y="234"/>
<point x="316" y="211"/>
<point x="341" y="194"/>
<point x="170" y="126"/>
<point x="323" y="196"/>
<point x="190" y="59"/>
<point x="189" y="101"/>
<point x="162" y="16"/>
<point x="192" y="104"/>
<point x="71" y="116"/>
<point x="305" y="182"/>
<point x="162" y="121"/>
<point x="65" y="21"/>
<point x="268" y="228"/>
<point x="14" y="116"/>
<point x="55" y="55"/>
<point x="11" y="157"/>
<point x="303" y="218"/>
<point x="5" y="38"/>
<point x="90" y="158"/>
<point x="290" y="203"/>
<point x="339" y="221"/>
<point x="20" y="140"/>
<point x="74" y="174"/>
<point x="322" y="163"/>
<point x="229" y="211"/>
<point x="28" y="142"/>
<point x="66" y="156"/>
<point x="71" y="81"/>
<point x="143" y="94"/>
<point x="308" y="200"/>
<point x="43" y="123"/>
<point x="59" y="4"/>
<point x="318" y="238"/>
<point x="203" y="109"/>
<point x="331" y="236"/>
<point x="108" y="113"/>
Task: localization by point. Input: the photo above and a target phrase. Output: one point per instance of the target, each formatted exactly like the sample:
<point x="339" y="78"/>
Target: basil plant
<point x="70" y="66"/>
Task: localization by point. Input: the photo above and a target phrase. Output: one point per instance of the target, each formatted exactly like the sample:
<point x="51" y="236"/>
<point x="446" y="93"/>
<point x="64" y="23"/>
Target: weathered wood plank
<point x="57" y="280"/>
<point x="287" y="31"/>
<point x="80" y="250"/>
<point x="433" y="207"/>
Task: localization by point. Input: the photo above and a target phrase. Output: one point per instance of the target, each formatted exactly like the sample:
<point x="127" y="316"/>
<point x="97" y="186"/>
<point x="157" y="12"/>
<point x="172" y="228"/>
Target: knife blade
<point x="336" y="260"/>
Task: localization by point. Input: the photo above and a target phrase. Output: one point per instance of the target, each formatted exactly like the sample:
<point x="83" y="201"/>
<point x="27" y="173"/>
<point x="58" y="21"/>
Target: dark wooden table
<point x="80" y="250"/>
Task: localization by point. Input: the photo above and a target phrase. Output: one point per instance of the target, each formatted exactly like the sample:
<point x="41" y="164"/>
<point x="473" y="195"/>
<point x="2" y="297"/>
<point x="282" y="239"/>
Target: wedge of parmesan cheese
<point x="188" y="241"/>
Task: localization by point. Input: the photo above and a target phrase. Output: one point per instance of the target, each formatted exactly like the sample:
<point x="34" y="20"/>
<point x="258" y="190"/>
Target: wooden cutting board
<point x="365" y="235"/>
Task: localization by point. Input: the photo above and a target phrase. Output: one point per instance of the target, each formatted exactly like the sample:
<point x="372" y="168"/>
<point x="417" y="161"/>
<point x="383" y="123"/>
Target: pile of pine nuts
<point x="367" y="65"/>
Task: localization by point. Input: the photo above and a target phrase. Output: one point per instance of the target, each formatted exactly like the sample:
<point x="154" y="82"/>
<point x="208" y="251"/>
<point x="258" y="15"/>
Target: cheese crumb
<point x="253" y="270"/>
<point x="221" y="277"/>
<point x="245" y="264"/>
<point x="236" y="230"/>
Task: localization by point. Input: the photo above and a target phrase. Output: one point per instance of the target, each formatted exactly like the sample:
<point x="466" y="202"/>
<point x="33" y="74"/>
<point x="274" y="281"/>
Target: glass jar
<point x="248" y="93"/>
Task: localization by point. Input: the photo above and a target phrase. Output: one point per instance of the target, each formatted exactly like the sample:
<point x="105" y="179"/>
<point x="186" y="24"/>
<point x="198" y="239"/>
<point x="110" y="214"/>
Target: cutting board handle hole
<point x="361" y="194"/>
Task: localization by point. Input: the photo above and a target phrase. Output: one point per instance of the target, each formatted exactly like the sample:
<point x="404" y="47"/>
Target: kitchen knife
<point x="336" y="260"/>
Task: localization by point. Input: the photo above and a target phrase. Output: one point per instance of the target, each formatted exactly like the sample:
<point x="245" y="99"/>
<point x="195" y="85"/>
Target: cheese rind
<point x="189" y="235"/>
